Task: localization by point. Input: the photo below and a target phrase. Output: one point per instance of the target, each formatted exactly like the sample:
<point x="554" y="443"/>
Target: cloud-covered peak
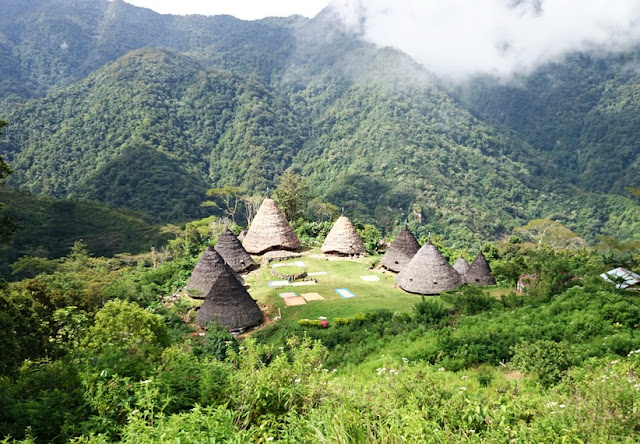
<point x="461" y="38"/>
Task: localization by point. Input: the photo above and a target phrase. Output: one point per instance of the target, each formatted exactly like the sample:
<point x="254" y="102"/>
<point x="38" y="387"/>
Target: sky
<point x="242" y="9"/>
<point x="458" y="39"/>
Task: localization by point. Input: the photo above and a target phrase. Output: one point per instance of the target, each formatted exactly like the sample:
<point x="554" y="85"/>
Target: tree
<point x="291" y="195"/>
<point x="251" y="205"/>
<point x="552" y="233"/>
<point x="634" y="191"/>
<point x="327" y="211"/>
<point x="6" y="223"/>
<point x="126" y="338"/>
<point x="227" y="199"/>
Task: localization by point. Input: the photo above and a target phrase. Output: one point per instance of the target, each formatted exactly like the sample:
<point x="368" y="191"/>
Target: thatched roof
<point x="428" y="273"/>
<point x="226" y="300"/>
<point x="479" y="272"/>
<point x="461" y="266"/>
<point x="343" y="239"/>
<point x="401" y="251"/>
<point x="203" y="275"/>
<point x="232" y="252"/>
<point x="270" y="231"/>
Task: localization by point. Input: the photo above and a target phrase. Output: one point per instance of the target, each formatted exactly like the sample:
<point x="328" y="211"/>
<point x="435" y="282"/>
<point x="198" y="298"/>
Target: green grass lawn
<point x="342" y="273"/>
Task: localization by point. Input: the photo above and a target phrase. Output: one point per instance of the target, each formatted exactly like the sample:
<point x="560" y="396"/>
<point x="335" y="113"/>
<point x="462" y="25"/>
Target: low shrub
<point x="356" y="319"/>
<point x="430" y="312"/>
<point x="313" y="323"/>
<point x="470" y="300"/>
<point x="548" y="360"/>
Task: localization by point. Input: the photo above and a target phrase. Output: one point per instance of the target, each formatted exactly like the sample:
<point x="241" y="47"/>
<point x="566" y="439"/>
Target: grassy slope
<point x="341" y="273"/>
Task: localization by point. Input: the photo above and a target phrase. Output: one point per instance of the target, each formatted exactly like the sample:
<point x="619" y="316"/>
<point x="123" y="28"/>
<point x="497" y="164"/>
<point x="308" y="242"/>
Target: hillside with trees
<point x="580" y="112"/>
<point x="154" y="129"/>
<point x="134" y="139"/>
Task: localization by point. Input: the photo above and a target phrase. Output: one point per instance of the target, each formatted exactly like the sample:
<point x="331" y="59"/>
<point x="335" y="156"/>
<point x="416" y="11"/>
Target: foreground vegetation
<point x="94" y="351"/>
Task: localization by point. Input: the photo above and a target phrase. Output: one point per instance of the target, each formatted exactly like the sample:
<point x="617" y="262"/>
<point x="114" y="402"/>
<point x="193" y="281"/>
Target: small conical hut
<point x="227" y="301"/>
<point x="428" y="273"/>
<point x="479" y="272"/>
<point x="401" y="251"/>
<point x="233" y="253"/>
<point x="270" y="231"/>
<point x="461" y="266"/>
<point x="203" y="275"/>
<point x="343" y="239"/>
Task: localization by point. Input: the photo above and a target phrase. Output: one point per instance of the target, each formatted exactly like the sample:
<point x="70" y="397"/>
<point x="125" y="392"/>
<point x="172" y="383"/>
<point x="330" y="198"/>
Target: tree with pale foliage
<point x="251" y="205"/>
<point x="552" y="233"/>
<point x="634" y="191"/>
<point x="227" y="199"/>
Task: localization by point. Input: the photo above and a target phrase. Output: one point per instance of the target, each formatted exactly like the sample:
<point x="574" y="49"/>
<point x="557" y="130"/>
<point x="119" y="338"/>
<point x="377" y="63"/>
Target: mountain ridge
<point x="370" y="129"/>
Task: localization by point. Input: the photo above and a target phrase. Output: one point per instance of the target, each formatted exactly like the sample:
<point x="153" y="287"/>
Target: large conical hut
<point x="428" y="273"/>
<point x="401" y="251"/>
<point x="226" y="301"/>
<point x="343" y="239"/>
<point x="233" y="253"/>
<point x="270" y="231"/>
<point x="479" y="272"/>
<point x="461" y="266"/>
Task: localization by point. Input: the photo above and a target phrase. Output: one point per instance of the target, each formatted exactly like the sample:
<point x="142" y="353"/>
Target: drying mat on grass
<point x="312" y="297"/>
<point x="317" y="273"/>
<point x="299" y="264"/>
<point x="278" y="283"/>
<point x="289" y="294"/>
<point x="345" y="293"/>
<point x="302" y="283"/>
<point x="298" y="300"/>
<point x="279" y="264"/>
<point x="370" y="278"/>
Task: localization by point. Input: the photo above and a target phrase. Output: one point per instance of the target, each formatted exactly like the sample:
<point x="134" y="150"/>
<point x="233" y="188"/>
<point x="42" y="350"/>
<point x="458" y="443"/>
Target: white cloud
<point x="459" y="38"/>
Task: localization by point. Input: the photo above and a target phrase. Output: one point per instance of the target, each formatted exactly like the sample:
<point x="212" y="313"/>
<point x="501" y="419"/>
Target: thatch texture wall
<point x="233" y="253"/>
<point x="401" y="251"/>
<point x="479" y="272"/>
<point x="270" y="231"/>
<point x="203" y="275"/>
<point x="428" y="272"/>
<point x="343" y="239"/>
<point x="227" y="301"/>
<point x="461" y="266"/>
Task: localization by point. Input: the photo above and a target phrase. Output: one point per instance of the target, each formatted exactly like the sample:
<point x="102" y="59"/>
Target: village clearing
<point x="331" y="274"/>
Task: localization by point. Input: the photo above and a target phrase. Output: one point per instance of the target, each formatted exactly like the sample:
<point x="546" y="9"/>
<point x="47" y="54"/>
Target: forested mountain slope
<point x="47" y="227"/>
<point x="238" y="103"/>
<point x="47" y="44"/>
<point x="583" y="112"/>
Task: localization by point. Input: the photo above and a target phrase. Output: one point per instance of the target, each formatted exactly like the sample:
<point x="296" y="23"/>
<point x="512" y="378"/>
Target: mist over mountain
<point x="459" y="39"/>
<point x="145" y="111"/>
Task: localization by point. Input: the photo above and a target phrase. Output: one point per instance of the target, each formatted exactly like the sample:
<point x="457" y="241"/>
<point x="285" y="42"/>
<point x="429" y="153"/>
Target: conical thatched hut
<point x="231" y="250"/>
<point x="461" y="266"/>
<point x="428" y="273"/>
<point x="226" y="300"/>
<point x="202" y="276"/>
<point x="270" y="231"/>
<point x="401" y="251"/>
<point x="479" y="272"/>
<point x="343" y="239"/>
